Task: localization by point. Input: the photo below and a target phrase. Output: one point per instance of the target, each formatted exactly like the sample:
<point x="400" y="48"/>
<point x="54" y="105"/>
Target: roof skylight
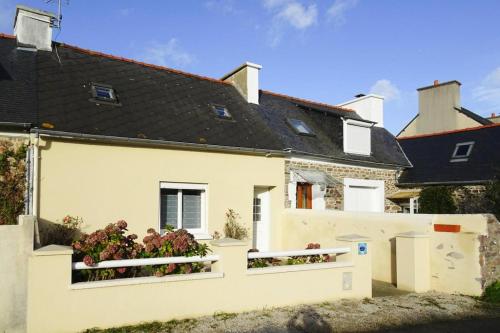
<point x="462" y="152"/>
<point x="300" y="127"/>
<point x="221" y="112"/>
<point x="101" y="92"/>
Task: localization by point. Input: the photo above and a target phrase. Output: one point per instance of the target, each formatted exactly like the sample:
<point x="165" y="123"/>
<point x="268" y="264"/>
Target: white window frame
<point x="462" y="158"/>
<point x="199" y="233"/>
<point x="351" y="122"/>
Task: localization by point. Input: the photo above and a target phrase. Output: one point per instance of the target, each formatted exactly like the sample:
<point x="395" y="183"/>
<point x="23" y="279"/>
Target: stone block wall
<point x="490" y="252"/>
<point x="334" y="196"/>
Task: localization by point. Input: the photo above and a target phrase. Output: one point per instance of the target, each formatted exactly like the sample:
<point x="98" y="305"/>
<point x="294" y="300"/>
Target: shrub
<point x="232" y="229"/>
<point x="63" y="233"/>
<point x="492" y="293"/>
<point x="109" y="243"/>
<point x="296" y="260"/>
<point x="12" y="181"/>
<point x="437" y="200"/>
<point x="173" y="244"/>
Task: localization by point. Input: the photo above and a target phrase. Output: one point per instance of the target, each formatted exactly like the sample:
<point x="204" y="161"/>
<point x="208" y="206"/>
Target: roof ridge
<point x="141" y="63"/>
<point x="468" y="129"/>
<point x="307" y="101"/>
<point x="7" y="36"/>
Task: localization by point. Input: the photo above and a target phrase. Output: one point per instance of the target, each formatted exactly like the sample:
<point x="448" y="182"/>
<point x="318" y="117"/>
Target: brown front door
<point x="304" y="195"/>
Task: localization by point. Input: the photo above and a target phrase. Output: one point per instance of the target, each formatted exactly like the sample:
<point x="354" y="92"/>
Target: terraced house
<point x="113" y="138"/>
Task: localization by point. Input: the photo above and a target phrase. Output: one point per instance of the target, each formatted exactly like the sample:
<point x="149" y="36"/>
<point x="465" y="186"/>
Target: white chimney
<point x="369" y="107"/>
<point x="246" y="79"/>
<point x="33" y="28"/>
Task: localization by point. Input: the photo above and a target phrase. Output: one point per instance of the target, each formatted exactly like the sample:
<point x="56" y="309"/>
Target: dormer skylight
<point x="104" y="93"/>
<point x="221" y="112"/>
<point x="462" y="152"/>
<point x="300" y="127"/>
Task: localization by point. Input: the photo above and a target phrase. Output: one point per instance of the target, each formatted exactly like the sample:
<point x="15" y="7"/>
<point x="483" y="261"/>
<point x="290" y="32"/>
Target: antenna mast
<point x="56" y="22"/>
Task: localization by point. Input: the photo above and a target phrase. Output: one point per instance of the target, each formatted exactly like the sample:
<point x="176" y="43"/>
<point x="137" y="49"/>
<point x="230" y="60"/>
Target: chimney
<point x="33" y="28"/>
<point x="369" y="107"/>
<point x="246" y="79"/>
<point x="438" y="105"/>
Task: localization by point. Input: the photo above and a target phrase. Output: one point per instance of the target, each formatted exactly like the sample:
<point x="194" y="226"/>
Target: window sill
<point x="202" y="236"/>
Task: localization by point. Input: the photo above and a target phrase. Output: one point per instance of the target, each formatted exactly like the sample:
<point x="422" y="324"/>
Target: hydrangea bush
<point x="111" y="243"/>
<point x="173" y="244"/>
<point x="12" y="180"/>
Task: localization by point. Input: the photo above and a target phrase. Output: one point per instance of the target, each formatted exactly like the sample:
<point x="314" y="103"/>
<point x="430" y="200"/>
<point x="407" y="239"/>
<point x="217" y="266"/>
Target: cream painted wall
<point x="54" y="305"/>
<point x="104" y="183"/>
<point x="455" y="258"/>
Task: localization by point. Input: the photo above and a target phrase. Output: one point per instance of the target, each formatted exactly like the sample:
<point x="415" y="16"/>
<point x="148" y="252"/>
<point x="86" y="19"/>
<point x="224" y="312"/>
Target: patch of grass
<point x="492" y="293"/>
<point x="224" y="315"/>
<point x="154" y="326"/>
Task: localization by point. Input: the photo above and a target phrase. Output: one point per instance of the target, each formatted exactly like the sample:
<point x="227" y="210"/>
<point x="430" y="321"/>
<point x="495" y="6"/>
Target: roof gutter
<point x="156" y="143"/>
<point x="346" y="160"/>
<point x="11" y="125"/>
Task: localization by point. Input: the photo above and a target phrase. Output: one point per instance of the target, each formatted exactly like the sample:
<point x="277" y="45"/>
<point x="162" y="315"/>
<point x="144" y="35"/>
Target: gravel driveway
<point x="428" y="312"/>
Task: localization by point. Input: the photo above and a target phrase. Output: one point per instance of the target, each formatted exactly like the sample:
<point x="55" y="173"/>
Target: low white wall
<point x="455" y="257"/>
<point x="16" y="243"/>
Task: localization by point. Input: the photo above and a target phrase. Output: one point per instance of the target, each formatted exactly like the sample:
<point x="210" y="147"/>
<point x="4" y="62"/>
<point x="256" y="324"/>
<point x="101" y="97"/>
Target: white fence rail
<point x="297" y="253"/>
<point x="144" y="262"/>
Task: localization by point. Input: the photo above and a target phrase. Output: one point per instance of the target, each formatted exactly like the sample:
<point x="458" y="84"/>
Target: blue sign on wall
<point x="362" y="249"/>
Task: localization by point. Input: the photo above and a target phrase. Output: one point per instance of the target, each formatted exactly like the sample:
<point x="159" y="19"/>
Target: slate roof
<point x="431" y="155"/>
<point x="326" y="123"/>
<point x="53" y="91"/>
<point x="17" y="84"/>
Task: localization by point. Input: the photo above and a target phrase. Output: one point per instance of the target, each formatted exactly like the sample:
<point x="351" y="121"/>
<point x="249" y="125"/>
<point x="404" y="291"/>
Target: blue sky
<point x="324" y="50"/>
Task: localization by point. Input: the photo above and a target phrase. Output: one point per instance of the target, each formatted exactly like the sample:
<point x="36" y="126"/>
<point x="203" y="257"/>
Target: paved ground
<point x="428" y="312"/>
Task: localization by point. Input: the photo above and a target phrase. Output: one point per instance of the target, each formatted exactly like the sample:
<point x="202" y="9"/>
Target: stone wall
<point x="334" y="196"/>
<point x="490" y="252"/>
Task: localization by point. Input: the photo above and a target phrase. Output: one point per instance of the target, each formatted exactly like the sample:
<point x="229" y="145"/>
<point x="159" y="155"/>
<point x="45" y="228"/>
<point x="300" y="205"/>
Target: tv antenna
<point x="56" y="22"/>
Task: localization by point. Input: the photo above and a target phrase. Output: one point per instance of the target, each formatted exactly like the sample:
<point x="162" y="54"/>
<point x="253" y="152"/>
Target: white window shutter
<point x="292" y="194"/>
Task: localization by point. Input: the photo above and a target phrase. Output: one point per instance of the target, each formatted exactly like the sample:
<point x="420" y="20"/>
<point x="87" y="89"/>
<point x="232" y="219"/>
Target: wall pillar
<point x="413" y="262"/>
<point x="233" y="255"/>
<point x="361" y="257"/>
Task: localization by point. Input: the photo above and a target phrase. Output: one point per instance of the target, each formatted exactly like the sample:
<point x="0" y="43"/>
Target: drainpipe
<point x="34" y="182"/>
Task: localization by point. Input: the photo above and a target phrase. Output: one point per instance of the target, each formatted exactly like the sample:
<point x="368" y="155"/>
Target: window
<point x="357" y="137"/>
<point x="300" y="127"/>
<point x="256" y="209"/>
<point x="462" y="152"/>
<point x="102" y="92"/>
<point x="304" y="195"/>
<point x="183" y="206"/>
<point x="221" y="112"/>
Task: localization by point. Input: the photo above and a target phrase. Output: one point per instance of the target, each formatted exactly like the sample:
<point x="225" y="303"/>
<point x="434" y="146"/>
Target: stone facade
<point x="490" y="253"/>
<point x="334" y="196"/>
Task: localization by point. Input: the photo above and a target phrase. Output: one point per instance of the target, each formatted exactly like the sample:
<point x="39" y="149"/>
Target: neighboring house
<point x="447" y="145"/>
<point x="114" y="138"/>
<point x="439" y="110"/>
<point x="494" y="118"/>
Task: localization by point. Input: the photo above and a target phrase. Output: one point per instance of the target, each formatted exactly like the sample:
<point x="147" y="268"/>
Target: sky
<point x="323" y="50"/>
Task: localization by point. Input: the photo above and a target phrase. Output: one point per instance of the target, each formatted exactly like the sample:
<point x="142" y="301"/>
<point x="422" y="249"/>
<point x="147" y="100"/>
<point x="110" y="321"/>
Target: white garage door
<point x="362" y="195"/>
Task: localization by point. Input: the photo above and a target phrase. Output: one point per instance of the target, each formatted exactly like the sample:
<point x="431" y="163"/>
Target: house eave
<point x="155" y="143"/>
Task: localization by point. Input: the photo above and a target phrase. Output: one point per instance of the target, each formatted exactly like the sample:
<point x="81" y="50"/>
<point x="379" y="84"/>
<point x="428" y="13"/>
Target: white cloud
<point x="488" y="91"/>
<point x="299" y="16"/>
<point x="167" y="54"/>
<point x="289" y="13"/>
<point x="222" y="6"/>
<point x="336" y="12"/>
<point x="387" y="89"/>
